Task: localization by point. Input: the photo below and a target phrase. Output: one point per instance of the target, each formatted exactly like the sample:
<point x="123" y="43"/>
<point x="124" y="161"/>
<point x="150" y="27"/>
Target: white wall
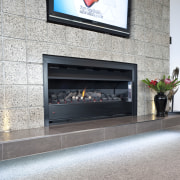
<point x="175" y="46"/>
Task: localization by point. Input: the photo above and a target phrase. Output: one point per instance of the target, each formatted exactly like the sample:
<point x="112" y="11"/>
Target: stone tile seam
<point x="104" y="134"/>
<point x="31" y="138"/>
<point x="22" y="62"/>
<point x="81" y="131"/>
<point x="30" y="154"/>
<point x="136" y="128"/>
<point x="61" y="142"/>
<point x="23" y="16"/>
<point x="22" y="85"/>
<point x="2" y="152"/>
<point x="19" y="107"/>
<point x="27" y="40"/>
<point x="83" y="144"/>
<point x="13" y="38"/>
<point x="53" y="135"/>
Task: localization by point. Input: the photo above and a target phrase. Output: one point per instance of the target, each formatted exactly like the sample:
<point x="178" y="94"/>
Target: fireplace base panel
<point x="81" y="112"/>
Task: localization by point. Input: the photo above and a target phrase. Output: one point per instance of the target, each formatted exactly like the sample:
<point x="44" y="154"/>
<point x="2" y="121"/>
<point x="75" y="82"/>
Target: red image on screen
<point x="89" y="3"/>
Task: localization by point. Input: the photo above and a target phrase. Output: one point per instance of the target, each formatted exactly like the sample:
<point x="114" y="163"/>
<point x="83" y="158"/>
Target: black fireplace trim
<point x="73" y="61"/>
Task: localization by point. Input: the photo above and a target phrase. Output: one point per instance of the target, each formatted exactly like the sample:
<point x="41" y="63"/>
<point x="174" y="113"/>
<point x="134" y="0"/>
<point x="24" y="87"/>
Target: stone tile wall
<point x="25" y="36"/>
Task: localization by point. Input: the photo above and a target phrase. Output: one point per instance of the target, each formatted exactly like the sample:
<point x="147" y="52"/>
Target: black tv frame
<point x="60" y="18"/>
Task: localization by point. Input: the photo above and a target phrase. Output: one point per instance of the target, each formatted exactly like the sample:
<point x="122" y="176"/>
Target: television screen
<point x="108" y="16"/>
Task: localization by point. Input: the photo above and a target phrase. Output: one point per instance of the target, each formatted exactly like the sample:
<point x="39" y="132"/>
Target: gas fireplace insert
<point x="78" y="89"/>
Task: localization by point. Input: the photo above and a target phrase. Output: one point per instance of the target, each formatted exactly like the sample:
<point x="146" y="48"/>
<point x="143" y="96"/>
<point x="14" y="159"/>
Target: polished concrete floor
<point x="148" y="156"/>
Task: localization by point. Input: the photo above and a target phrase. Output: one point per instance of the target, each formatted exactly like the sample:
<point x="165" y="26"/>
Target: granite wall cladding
<point x="25" y="36"/>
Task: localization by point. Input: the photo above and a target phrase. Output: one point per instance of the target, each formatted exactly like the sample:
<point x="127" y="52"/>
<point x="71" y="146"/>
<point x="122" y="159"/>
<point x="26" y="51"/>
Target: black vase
<point x="160" y="100"/>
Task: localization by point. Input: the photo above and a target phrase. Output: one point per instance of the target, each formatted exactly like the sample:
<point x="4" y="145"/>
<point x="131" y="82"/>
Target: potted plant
<point x="161" y="86"/>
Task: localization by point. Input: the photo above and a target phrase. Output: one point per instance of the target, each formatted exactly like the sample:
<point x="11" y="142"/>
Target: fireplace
<point x="78" y="89"/>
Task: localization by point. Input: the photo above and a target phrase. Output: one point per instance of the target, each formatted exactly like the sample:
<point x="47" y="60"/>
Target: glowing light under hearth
<point x="6" y="120"/>
<point x="153" y="108"/>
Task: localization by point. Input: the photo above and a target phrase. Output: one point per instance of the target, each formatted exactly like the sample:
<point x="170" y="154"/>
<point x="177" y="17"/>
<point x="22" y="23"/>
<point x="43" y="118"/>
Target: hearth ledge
<point x="27" y="142"/>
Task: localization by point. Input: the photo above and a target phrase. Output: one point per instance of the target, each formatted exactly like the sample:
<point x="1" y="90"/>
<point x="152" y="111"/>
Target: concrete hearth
<point x="39" y="140"/>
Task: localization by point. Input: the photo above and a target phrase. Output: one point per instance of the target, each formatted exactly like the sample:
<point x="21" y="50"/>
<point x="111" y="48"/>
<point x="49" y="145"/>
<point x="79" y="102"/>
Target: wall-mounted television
<point x="107" y="16"/>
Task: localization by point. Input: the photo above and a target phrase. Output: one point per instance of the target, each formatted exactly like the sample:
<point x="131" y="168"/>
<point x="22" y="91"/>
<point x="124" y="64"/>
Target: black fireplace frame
<point x="92" y="63"/>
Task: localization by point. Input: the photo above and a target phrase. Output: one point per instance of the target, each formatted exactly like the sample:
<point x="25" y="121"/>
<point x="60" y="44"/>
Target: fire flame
<point x="83" y="93"/>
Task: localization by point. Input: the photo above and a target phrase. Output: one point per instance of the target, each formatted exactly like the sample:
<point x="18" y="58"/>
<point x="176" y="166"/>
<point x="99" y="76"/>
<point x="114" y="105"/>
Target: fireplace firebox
<point x="78" y="89"/>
